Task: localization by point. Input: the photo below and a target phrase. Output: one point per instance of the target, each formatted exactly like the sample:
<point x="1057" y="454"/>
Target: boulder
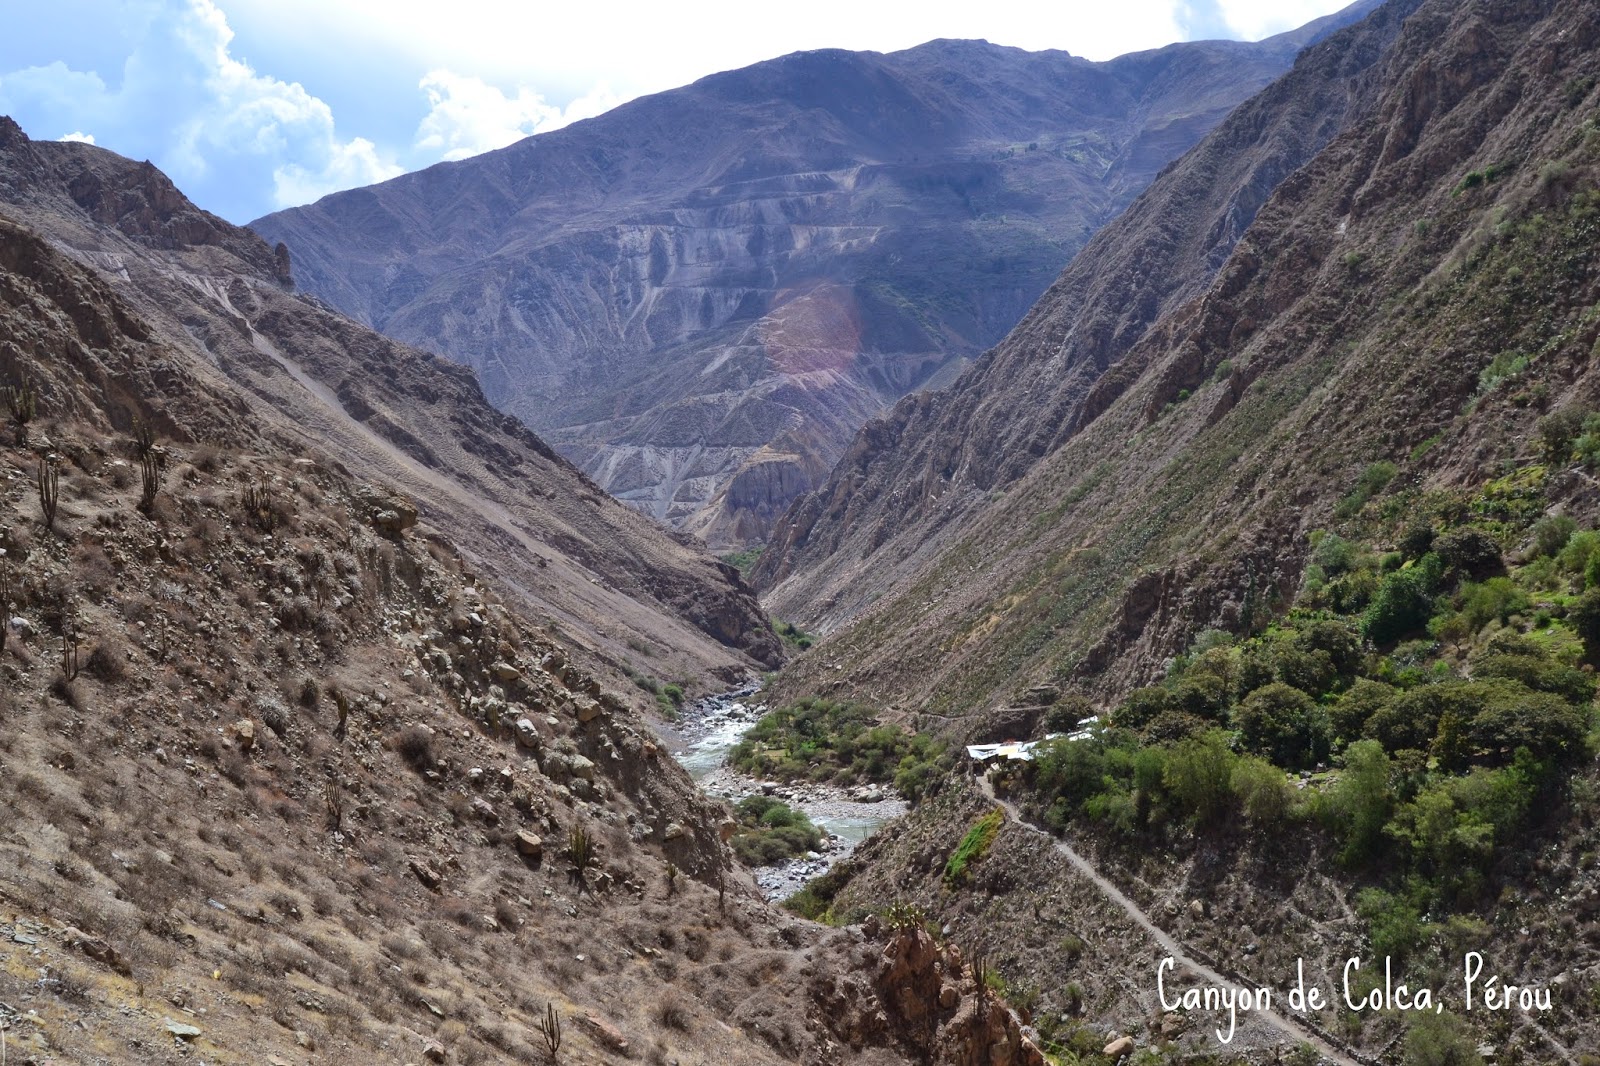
<point x="1119" y="1048"/>
<point x="588" y="709"/>
<point x="581" y="766"/>
<point x="529" y="844"/>
<point x="505" y="673"/>
<point x="426" y="874"/>
<point x="527" y="733"/>
<point x="602" y="1032"/>
<point x="181" y="1030"/>
<point x="394" y="517"/>
<point x="244" y="734"/>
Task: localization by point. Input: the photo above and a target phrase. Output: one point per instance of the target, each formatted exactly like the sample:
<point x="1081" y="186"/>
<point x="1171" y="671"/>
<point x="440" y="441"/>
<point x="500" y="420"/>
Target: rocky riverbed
<point x="701" y="740"/>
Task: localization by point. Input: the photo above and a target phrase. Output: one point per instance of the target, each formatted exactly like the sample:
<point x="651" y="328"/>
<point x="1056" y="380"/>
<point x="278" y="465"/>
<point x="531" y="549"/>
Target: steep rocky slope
<point x="287" y="779"/>
<point x="1390" y="351"/>
<point x="700" y="296"/>
<point x="1352" y="323"/>
<point x="938" y="456"/>
<point x="221" y="301"/>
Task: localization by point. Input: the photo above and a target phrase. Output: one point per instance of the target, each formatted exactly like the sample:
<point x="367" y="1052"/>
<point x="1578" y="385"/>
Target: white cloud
<point x="347" y="166"/>
<point x="224" y="131"/>
<point x="1251" y="20"/>
<point x="79" y="136"/>
<point x="467" y="116"/>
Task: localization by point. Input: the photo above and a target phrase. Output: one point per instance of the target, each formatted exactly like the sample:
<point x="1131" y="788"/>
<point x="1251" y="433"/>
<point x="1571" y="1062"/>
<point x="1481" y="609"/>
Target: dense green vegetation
<point x="973" y="847"/>
<point x="793" y="635"/>
<point x="841" y="743"/>
<point x="771" y="831"/>
<point x="1431" y="687"/>
<point x="744" y="560"/>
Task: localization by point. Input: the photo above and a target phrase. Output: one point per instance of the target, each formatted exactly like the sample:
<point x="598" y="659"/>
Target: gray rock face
<point x="701" y="296"/>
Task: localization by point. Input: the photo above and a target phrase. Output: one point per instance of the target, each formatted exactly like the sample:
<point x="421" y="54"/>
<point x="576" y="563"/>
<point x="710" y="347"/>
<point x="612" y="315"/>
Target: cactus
<point x="256" y="502"/>
<point x="69" y="650"/>
<point x="550" y="1028"/>
<point x="23" y="403"/>
<point x="8" y="597"/>
<point x="580" y="853"/>
<point x="144" y="438"/>
<point x="342" y="702"/>
<point x="334" y="804"/>
<point x="49" y="491"/>
<point x="150" y="480"/>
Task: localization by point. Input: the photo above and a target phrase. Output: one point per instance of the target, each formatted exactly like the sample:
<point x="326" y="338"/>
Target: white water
<point x="712" y="727"/>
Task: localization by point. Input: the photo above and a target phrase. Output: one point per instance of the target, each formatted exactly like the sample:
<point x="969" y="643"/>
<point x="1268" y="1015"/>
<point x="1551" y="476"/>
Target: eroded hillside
<point x="287" y="780"/>
<point x="611" y="581"/>
<point x="1314" y="549"/>
<point x="701" y="295"/>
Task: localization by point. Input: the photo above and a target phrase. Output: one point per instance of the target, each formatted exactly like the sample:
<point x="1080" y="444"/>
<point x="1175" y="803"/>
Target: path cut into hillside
<point x="1289" y="1025"/>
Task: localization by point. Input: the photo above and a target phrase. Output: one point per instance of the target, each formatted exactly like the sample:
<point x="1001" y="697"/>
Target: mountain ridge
<point x="724" y="281"/>
<point x="219" y="294"/>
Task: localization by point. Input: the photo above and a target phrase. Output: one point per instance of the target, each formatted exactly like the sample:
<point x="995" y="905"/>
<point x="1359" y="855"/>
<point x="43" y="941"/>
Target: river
<point x="708" y="731"/>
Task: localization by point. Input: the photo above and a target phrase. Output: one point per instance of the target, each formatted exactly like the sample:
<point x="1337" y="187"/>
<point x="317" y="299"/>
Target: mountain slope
<point x="1389" y="387"/>
<point x="937" y="457"/>
<point x="701" y="295"/>
<point x="1352" y="323"/>
<point x="218" y="296"/>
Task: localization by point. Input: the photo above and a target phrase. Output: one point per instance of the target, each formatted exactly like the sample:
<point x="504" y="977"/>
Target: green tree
<point x="1199" y="775"/>
<point x="1284" y="724"/>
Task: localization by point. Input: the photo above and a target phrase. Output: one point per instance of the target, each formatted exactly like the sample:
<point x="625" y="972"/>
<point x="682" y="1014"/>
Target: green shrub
<point x="1411" y="719"/>
<point x="1584" y="618"/>
<point x="1494" y="600"/>
<point x="1358" y="804"/>
<point x="815" y="900"/>
<point x="772" y="832"/>
<point x="1264" y="793"/>
<point x="1198" y="773"/>
<point x="1285" y="725"/>
<point x="1557" y="431"/>
<point x="1350" y="714"/>
<point x="1401" y="607"/>
<point x="1439" y="1040"/>
<point x="1552" y="533"/>
<point x="1394" y="925"/>
<point x="1469" y="552"/>
<point x="1374" y="479"/>
<point x="973" y="847"/>
<point x="1537" y="671"/>
<point x="1141" y="706"/>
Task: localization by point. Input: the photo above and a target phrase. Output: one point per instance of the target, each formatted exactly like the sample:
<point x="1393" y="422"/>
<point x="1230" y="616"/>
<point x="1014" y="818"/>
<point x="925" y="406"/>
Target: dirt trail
<point x="1286" y="1023"/>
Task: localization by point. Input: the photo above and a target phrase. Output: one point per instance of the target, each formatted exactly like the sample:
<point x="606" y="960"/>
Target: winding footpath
<point x="1288" y="1024"/>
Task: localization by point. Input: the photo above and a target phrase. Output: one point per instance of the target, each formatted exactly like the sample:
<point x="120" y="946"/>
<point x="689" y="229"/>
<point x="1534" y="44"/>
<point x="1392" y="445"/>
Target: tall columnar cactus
<point x="49" y="491"/>
<point x="23" y="403"/>
<point x="550" y="1028"/>
<point x="8" y="597"/>
<point x="144" y="438"/>
<point x="150" y="480"/>
<point x="69" y="650"/>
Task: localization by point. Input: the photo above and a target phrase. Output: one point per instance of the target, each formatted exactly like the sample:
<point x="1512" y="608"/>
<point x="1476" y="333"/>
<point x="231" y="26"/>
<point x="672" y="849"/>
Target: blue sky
<point x="253" y="105"/>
